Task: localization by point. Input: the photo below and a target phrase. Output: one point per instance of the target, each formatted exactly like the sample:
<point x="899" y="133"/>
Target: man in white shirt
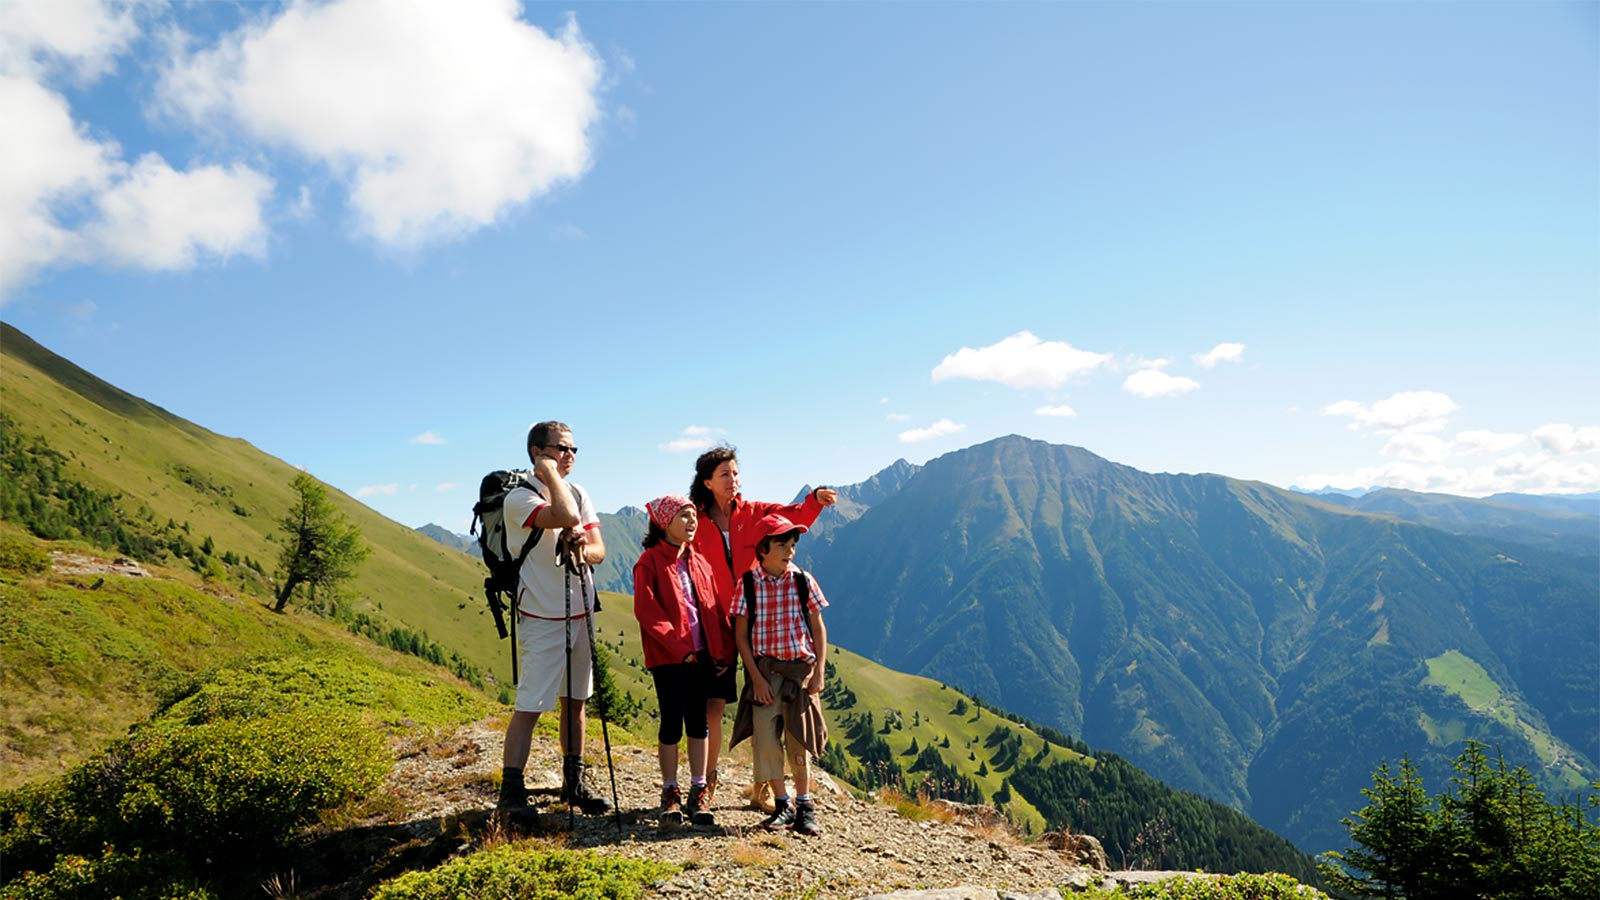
<point x="551" y="606"/>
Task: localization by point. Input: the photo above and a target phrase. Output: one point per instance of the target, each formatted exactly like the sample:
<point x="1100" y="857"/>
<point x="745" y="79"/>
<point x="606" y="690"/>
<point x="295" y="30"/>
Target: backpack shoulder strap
<point x="536" y="531"/>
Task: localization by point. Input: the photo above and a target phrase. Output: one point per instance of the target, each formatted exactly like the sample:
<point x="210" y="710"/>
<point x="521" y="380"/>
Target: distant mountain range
<point x="1569" y="523"/>
<point x="1256" y="645"/>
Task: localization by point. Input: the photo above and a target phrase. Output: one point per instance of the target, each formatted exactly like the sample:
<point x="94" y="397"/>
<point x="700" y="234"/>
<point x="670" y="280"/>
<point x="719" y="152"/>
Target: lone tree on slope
<point x="323" y="547"/>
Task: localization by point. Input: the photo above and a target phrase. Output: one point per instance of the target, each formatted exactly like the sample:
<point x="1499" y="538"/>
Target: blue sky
<point x="1347" y="243"/>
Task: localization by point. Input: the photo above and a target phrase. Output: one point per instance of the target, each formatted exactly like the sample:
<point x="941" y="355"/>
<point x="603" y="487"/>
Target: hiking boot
<point x="805" y="819"/>
<point x="711" y="787"/>
<point x="700" y="806"/>
<point x="782" y="818"/>
<point x="575" y="789"/>
<point x="671" y="811"/>
<point x="513" y="793"/>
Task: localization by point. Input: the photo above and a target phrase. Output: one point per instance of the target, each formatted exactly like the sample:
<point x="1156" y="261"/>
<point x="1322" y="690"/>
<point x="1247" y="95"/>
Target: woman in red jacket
<point x="675" y="603"/>
<point x="727" y="539"/>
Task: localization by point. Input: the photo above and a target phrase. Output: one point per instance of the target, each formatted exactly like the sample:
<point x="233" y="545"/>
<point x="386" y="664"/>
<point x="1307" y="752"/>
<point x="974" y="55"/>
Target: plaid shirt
<point x="780" y="630"/>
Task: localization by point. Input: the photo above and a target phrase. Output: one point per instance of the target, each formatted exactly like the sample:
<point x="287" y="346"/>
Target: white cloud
<point x="1563" y="438"/>
<point x="1416" y="447"/>
<point x="159" y="218"/>
<point x="1481" y="441"/>
<point x="69" y="199"/>
<point x="1405" y="411"/>
<point x="47" y="163"/>
<point x="1156" y="383"/>
<point x="441" y="116"/>
<point x="372" y="489"/>
<point x="1062" y="411"/>
<point x="86" y="36"/>
<point x="446" y="486"/>
<point x="694" y="437"/>
<point x="682" y="444"/>
<point x="1020" y="361"/>
<point x="1534" y="473"/>
<point x="898" y="417"/>
<point x="428" y="437"/>
<point x="941" y="428"/>
<point x="1221" y="353"/>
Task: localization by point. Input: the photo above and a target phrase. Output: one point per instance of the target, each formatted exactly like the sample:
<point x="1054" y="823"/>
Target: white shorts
<point x="542" y="656"/>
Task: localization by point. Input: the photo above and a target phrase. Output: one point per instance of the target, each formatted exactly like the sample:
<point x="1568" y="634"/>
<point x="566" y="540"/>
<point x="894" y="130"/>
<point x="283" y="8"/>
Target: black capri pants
<point x="681" y="694"/>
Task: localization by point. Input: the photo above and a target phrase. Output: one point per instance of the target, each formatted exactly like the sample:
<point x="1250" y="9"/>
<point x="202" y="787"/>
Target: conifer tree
<point x="322" y="547"/>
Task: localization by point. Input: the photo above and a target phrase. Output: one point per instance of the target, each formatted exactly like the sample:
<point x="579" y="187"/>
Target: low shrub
<point x="128" y="876"/>
<point x="1221" y="887"/>
<point x="23" y="558"/>
<point x="219" y="793"/>
<point x="232" y="785"/>
<point x="524" y="872"/>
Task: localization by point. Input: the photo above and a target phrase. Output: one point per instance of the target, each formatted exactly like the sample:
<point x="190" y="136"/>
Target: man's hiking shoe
<point x="513" y="793"/>
<point x="700" y="806"/>
<point x="575" y="789"/>
<point x="805" y="819"/>
<point x="671" y="811"/>
<point x="782" y="818"/>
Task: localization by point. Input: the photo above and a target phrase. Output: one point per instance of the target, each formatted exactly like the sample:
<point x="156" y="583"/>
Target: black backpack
<point x="503" y="564"/>
<point x="802" y="586"/>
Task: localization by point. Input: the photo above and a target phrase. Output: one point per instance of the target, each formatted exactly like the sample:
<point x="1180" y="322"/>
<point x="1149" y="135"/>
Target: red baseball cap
<point x="776" y="523"/>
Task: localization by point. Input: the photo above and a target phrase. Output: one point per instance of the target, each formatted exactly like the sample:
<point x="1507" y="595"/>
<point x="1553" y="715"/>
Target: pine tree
<point x="322" y="547"/>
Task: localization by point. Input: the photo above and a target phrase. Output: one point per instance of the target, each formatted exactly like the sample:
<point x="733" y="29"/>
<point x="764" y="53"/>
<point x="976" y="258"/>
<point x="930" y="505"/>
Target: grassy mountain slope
<point x="84" y="656"/>
<point x="1232" y="638"/>
<point x="164" y="467"/>
<point x="70" y="683"/>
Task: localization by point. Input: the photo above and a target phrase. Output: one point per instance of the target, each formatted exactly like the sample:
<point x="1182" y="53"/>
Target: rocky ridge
<point x="444" y="786"/>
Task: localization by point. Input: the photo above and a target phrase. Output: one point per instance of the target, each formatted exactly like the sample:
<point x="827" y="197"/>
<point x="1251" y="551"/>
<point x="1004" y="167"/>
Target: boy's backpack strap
<point x="750" y="601"/>
<point x="802" y="586"/>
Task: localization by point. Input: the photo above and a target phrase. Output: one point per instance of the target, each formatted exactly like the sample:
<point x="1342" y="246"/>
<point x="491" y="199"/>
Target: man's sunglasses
<point x="564" y="448"/>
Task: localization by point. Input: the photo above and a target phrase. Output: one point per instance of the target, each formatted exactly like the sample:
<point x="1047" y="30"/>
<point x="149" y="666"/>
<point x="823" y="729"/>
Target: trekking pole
<point x="594" y="662"/>
<point x="566" y="712"/>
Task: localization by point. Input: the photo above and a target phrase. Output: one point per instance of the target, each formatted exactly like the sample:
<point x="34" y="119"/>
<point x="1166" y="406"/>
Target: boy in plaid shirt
<point x="784" y="646"/>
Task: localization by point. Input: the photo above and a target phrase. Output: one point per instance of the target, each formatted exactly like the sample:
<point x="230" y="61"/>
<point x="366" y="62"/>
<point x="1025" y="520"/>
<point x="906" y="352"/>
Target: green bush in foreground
<point x="248" y="783"/>
<point x="216" y="794"/>
<point x="1221" y="887"/>
<point x="125" y="876"/>
<point x="523" y="872"/>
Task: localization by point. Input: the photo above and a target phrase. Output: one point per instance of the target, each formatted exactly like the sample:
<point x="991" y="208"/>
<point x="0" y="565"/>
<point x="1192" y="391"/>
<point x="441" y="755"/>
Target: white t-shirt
<point x="543" y="591"/>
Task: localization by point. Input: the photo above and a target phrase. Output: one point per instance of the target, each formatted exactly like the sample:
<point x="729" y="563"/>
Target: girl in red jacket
<point x="726" y="539"/>
<point x="675" y="601"/>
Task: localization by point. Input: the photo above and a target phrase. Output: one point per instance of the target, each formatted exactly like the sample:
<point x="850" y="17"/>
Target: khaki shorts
<point x="541" y="651"/>
<point x="770" y="743"/>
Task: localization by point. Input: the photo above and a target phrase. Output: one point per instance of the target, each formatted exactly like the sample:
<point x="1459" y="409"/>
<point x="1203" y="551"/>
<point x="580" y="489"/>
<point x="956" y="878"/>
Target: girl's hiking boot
<point x="805" y="819"/>
<point x="711" y="787"/>
<point x="671" y="810"/>
<point x="783" y="815"/>
<point x="700" y="805"/>
<point x="575" y="788"/>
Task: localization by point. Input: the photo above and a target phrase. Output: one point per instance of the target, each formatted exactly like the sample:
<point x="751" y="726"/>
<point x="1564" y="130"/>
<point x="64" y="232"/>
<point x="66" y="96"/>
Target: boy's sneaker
<point x="671" y="811"/>
<point x="805" y="819"/>
<point x="782" y="818"/>
<point x="700" y="805"/>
